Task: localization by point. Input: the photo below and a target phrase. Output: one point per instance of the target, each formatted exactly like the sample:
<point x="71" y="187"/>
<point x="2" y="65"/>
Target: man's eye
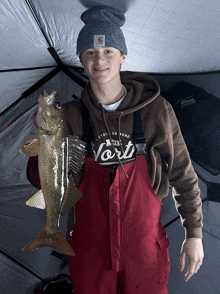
<point x="108" y="51"/>
<point x="90" y="52"/>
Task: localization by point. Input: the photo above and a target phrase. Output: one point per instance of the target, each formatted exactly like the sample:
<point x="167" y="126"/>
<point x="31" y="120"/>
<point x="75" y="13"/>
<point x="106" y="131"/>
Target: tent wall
<point x="65" y="86"/>
<point x="207" y="278"/>
<point x="208" y="81"/>
<point x="19" y="224"/>
<point x="14" y="83"/>
<point x="15" y="279"/>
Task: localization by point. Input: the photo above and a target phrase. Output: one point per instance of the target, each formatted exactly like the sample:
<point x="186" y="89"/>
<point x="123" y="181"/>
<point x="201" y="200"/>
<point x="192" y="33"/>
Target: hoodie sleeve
<point x="32" y="172"/>
<point x="32" y="167"/>
<point x="184" y="181"/>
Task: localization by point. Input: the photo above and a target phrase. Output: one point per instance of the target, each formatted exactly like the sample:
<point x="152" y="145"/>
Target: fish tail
<point x="54" y="240"/>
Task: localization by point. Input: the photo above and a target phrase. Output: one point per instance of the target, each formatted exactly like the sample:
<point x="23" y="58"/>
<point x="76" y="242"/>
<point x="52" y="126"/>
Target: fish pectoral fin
<point x="37" y="200"/>
<point x="31" y="148"/>
<point x="71" y="197"/>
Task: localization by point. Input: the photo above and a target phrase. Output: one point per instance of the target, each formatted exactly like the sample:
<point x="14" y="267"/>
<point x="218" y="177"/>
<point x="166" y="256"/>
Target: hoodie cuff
<point x="193" y="233"/>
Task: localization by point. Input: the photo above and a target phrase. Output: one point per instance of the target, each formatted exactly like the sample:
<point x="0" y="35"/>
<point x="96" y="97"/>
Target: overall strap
<point x="138" y="134"/>
<point x="88" y="135"/>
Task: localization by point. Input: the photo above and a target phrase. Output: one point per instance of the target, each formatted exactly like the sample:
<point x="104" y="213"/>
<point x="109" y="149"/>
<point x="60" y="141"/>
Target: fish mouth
<point x="45" y="98"/>
<point x="44" y="93"/>
<point x="42" y="97"/>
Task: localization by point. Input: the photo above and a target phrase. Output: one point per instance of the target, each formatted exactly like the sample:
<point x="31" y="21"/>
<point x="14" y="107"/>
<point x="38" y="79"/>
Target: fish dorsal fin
<point x="71" y="197"/>
<point x="31" y="148"/>
<point x="37" y="200"/>
<point x="77" y="149"/>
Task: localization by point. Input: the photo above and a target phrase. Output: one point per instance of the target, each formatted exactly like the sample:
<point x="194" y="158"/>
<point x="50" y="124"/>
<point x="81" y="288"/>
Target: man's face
<point x="102" y="64"/>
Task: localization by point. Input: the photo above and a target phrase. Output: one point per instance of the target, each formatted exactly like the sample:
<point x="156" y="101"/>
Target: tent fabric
<point x="207" y="278"/>
<point x="13" y="276"/>
<point x="60" y="82"/>
<point x="13" y="84"/>
<point x="22" y="43"/>
<point x="19" y="225"/>
<point x="179" y="36"/>
<point x="168" y="39"/>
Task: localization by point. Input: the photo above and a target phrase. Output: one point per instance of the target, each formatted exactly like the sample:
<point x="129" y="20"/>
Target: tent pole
<point x="27" y="68"/>
<point x="52" y="49"/>
<point x="65" y="69"/>
<point x="73" y="76"/>
<point x="33" y="11"/>
<point x="33" y="88"/>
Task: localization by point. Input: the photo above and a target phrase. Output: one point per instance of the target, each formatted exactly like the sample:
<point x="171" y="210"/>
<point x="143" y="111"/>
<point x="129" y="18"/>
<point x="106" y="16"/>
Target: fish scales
<point x="58" y="153"/>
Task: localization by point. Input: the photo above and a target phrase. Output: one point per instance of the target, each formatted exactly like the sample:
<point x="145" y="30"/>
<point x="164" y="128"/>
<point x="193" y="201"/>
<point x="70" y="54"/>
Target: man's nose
<point x="99" y="57"/>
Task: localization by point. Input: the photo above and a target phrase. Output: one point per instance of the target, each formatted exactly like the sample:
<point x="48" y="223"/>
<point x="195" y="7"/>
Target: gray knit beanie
<point x="102" y="28"/>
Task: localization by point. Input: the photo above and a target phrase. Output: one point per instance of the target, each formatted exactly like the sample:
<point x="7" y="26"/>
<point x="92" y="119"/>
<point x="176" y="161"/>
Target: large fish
<point x="58" y="154"/>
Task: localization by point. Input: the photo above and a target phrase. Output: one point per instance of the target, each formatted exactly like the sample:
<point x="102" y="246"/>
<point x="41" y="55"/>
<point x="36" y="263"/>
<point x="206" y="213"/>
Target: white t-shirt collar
<point x="114" y="106"/>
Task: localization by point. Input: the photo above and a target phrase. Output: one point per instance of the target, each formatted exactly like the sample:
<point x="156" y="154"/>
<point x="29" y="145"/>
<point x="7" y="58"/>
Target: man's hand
<point x="193" y="249"/>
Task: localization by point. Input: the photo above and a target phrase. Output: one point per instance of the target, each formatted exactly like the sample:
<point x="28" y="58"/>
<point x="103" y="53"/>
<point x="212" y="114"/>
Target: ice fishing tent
<point x="173" y="41"/>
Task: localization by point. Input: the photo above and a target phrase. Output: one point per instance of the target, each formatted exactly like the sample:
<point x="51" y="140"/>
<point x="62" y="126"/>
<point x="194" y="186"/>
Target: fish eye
<point x="57" y="104"/>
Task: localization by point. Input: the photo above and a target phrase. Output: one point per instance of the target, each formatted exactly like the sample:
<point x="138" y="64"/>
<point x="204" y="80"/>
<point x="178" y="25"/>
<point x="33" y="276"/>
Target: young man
<point x="135" y="151"/>
<point x="118" y="235"/>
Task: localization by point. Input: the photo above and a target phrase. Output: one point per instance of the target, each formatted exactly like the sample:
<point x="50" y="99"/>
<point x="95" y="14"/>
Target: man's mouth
<point x="100" y="70"/>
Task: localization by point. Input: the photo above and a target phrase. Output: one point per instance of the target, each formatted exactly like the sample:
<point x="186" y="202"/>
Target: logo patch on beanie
<point x="99" y="40"/>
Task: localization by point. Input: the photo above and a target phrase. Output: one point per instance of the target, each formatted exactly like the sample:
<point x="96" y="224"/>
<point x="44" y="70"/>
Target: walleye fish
<point x="58" y="154"/>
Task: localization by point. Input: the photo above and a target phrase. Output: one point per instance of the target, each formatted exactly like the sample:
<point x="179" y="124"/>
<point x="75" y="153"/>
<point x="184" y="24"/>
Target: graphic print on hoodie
<point x="113" y="142"/>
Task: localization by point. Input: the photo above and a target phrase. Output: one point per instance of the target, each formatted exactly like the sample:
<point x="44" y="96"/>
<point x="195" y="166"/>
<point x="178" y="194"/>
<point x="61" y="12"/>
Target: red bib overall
<point x="118" y="237"/>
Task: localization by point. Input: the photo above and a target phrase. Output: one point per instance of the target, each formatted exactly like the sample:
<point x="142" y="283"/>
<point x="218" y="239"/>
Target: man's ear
<point x="81" y="62"/>
<point x="123" y="58"/>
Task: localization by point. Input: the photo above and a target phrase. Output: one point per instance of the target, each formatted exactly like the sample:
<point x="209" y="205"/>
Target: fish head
<point x="50" y="114"/>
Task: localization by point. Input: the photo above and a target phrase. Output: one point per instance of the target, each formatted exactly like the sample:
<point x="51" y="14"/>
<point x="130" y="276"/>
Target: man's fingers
<point x="192" y="270"/>
<point x="193" y="249"/>
<point x="182" y="261"/>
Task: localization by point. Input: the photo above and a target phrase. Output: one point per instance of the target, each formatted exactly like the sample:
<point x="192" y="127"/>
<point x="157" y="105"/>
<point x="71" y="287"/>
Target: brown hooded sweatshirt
<point x="167" y="157"/>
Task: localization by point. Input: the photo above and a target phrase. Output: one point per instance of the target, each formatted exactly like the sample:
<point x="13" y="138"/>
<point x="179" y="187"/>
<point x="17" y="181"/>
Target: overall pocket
<point x="163" y="258"/>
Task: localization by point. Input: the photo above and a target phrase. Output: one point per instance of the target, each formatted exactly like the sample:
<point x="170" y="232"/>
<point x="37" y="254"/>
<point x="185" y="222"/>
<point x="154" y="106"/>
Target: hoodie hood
<point x="141" y="90"/>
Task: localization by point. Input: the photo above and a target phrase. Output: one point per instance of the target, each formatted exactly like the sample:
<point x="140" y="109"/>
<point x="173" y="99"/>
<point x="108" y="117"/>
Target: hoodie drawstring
<point x="103" y="112"/>
<point x="119" y="128"/>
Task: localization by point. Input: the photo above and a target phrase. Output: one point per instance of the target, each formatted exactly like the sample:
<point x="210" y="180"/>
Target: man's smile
<point x="100" y="70"/>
